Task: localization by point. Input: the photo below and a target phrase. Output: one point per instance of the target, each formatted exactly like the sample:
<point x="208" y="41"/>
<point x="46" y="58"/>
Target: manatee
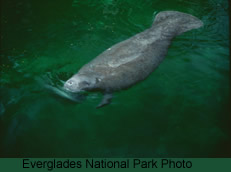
<point x="132" y="60"/>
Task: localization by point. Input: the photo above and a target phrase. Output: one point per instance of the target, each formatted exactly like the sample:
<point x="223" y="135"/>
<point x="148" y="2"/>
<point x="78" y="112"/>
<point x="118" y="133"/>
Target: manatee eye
<point x="97" y="80"/>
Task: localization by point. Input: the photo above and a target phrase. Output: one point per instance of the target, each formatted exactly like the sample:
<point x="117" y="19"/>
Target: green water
<point x="181" y="110"/>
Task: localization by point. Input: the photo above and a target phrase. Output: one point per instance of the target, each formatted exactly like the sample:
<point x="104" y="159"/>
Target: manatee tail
<point x="177" y="22"/>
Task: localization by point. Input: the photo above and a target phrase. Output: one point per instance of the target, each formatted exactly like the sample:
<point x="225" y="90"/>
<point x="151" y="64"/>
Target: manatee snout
<point x="74" y="86"/>
<point x="79" y="83"/>
<point x="71" y="85"/>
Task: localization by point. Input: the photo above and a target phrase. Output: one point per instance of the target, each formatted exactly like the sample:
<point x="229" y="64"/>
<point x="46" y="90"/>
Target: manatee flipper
<point x="177" y="22"/>
<point x="106" y="100"/>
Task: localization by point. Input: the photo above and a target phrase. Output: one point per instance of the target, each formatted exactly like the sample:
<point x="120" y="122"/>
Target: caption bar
<point x="105" y="163"/>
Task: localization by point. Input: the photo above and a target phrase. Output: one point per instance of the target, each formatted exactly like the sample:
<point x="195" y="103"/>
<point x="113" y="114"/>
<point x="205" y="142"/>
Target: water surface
<point x="181" y="110"/>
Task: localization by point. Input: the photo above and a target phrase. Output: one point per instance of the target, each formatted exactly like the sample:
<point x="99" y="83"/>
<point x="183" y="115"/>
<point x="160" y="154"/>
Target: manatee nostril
<point x="70" y="82"/>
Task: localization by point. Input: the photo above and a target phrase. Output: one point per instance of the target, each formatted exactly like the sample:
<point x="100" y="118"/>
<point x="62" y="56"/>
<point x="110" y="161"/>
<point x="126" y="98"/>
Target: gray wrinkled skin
<point x="132" y="60"/>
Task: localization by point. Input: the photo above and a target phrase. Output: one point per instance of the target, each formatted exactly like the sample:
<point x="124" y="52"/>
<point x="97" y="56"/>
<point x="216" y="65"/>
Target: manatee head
<point x="78" y="83"/>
